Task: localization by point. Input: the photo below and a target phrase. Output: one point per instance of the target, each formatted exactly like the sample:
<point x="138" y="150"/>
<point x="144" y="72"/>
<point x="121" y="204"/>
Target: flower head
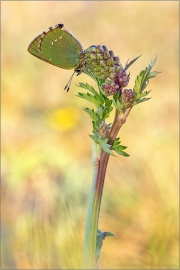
<point x="104" y="65"/>
<point x="127" y="97"/>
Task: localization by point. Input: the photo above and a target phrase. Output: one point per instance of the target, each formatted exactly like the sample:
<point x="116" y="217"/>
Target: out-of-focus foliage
<point x="46" y="150"/>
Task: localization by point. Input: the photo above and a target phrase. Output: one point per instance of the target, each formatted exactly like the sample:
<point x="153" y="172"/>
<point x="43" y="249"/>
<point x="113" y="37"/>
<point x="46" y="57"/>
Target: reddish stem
<point x="119" y="120"/>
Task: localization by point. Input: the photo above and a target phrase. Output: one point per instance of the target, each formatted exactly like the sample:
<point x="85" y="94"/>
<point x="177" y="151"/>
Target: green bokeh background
<point x="46" y="150"/>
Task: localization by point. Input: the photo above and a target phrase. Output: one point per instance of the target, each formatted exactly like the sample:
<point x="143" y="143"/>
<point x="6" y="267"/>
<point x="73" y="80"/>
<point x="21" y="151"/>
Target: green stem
<point x="99" y="161"/>
<point x="89" y="252"/>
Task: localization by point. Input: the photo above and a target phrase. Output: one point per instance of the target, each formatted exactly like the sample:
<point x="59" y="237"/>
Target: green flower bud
<point x="105" y="48"/>
<point x="92" y="48"/>
<point x="106" y="55"/>
<point x="111" y="53"/>
<point x="95" y="63"/>
<point x="102" y="63"/>
<point x="112" y="69"/>
<point x="99" y="56"/>
<point x="116" y="60"/>
<point x="112" y="75"/>
<point x="110" y="61"/>
<point x="97" y="69"/>
<point x="88" y="62"/>
<point x="93" y="55"/>
<point x="99" y="48"/>
<point x="119" y="68"/>
<point x="98" y="74"/>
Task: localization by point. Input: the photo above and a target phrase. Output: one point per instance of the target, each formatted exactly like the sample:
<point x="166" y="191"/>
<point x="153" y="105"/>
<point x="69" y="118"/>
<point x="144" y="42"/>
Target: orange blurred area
<point x="46" y="150"/>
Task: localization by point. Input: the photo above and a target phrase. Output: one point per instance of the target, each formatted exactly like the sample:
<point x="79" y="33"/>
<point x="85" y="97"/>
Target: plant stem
<point x="99" y="161"/>
<point x="89" y="252"/>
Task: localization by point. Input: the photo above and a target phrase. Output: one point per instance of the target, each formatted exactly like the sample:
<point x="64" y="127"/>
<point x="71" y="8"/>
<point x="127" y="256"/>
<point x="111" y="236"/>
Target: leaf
<point x="92" y="90"/>
<point x="106" y="112"/>
<point x="88" y="87"/>
<point x="117" y="102"/>
<point x="132" y="62"/>
<point x="99" y="242"/>
<point x="106" y="148"/>
<point x="90" y="98"/>
<point x="94" y="116"/>
<point x="143" y="78"/>
<point x="140" y="101"/>
<point x="103" y="143"/>
<point x="118" y="148"/>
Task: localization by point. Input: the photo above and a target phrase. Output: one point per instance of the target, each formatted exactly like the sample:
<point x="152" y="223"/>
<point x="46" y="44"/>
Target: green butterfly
<point x="57" y="46"/>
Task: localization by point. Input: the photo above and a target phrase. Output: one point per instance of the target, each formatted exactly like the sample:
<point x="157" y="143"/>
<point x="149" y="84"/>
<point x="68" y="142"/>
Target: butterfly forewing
<point x="57" y="47"/>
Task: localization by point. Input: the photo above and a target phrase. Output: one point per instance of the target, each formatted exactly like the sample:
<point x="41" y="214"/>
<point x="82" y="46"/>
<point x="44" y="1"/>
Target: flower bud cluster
<point x="110" y="87"/>
<point x="103" y="129"/>
<point x="104" y="65"/>
<point x="102" y="62"/>
<point x="127" y="97"/>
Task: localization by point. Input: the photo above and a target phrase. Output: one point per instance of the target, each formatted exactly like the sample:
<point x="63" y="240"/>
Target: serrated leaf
<point x="122" y="153"/>
<point x="117" y="102"/>
<point x="100" y="237"/>
<point x="90" y="98"/>
<point x="92" y="90"/>
<point x="118" y="148"/>
<point x="130" y="63"/>
<point x="143" y="78"/>
<point x="106" y="234"/>
<point x="106" y="112"/>
<point x="103" y="143"/>
<point x="88" y="87"/>
<point x="92" y="114"/>
<point x="106" y="148"/>
<point x="140" y="101"/>
<point x="143" y="94"/>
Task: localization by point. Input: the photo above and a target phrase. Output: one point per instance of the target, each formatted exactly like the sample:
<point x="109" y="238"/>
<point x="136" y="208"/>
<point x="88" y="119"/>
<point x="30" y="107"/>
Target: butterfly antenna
<point x="67" y="87"/>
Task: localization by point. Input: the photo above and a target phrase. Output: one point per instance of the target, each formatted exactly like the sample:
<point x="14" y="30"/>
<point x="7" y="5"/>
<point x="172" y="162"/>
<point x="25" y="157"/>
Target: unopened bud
<point x="123" y="79"/>
<point x="110" y="87"/>
<point x="99" y="49"/>
<point x="106" y="55"/>
<point x="116" y="60"/>
<point x="111" y="53"/>
<point x="103" y="129"/>
<point x="99" y="56"/>
<point x="127" y="97"/>
<point x="110" y="61"/>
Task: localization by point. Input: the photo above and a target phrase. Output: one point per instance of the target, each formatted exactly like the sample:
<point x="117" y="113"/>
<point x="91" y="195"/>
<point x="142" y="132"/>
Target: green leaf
<point x="100" y="237"/>
<point x="117" y="102"/>
<point x="140" y="101"/>
<point x="91" y="89"/>
<point x="94" y="116"/>
<point x="106" y="148"/>
<point x="143" y="78"/>
<point x="87" y="87"/>
<point x="103" y="143"/>
<point x="118" y="148"/>
<point x="90" y="98"/>
<point x="132" y="62"/>
<point x="106" y="112"/>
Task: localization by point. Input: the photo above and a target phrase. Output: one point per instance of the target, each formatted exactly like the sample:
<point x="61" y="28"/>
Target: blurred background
<point x="46" y="150"/>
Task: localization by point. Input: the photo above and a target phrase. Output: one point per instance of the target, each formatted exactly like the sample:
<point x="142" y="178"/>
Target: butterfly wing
<point x="58" y="47"/>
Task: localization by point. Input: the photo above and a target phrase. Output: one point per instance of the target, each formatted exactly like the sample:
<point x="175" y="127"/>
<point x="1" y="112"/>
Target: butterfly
<point x="57" y="46"/>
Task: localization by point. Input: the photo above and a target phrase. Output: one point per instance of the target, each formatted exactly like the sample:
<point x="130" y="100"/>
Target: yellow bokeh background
<point x="46" y="150"/>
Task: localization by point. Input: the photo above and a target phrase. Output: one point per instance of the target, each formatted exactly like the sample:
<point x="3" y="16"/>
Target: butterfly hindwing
<point x="58" y="47"/>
